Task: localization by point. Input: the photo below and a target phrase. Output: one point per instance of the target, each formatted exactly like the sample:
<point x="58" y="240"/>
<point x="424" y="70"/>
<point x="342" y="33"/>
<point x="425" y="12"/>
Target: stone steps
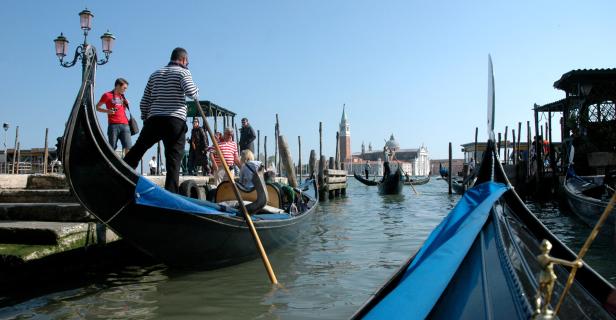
<point x="59" y="212"/>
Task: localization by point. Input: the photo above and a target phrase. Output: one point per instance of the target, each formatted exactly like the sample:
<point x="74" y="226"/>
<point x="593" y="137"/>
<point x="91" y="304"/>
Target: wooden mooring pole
<point x="450" y="169"/>
<point x="287" y="161"/>
<point x="276" y="158"/>
<point x="46" y="155"/>
<point x="15" y="149"/>
<point x="505" y="142"/>
<point x="265" y="152"/>
<point x="259" y="145"/>
<point x="299" y="157"/>
<point x="476" y="134"/>
<point x="312" y="161"/>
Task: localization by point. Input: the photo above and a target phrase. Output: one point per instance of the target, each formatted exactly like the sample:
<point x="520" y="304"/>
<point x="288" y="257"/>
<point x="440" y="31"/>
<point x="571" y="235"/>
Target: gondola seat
<point x="224" y="192"/>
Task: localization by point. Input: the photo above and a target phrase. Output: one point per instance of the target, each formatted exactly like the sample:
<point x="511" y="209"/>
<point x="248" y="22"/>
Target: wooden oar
<point x="251" y="226"/>
<point x="585" y="247"/>
<point x="410" y="183"/>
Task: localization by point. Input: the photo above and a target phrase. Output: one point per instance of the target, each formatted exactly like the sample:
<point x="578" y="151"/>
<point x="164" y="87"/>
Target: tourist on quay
<point x="152" y="165"/>
<point x="247" y="136"/>
<point x="115" y="107"/>
<point x="197" y="152"/>
<point x="163" y="109"/>
<point x="249" y="168"/>
<point x="228" y="148"/>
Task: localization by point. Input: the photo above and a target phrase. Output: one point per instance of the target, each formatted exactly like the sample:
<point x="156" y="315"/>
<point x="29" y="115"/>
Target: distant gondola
<point x="176" y="230"/>
<point x="417" y="180"/>
<point x="365" y="181"/>
<point x="481" y="262"/>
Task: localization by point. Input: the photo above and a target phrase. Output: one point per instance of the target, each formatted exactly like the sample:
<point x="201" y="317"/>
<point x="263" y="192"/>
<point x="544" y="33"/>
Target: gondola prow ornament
<point x="547" y="278"/>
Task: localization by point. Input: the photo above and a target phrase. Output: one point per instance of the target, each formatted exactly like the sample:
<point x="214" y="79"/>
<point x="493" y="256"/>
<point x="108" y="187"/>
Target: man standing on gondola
<point x="163" y="109"/>
<point x="367" y="169"/>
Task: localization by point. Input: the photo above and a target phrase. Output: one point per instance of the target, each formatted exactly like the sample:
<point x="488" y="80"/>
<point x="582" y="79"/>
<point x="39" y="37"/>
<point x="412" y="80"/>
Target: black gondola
<point x="365" y="181"/>
<point x="588" y="197"/>
<point x="392" y="182"/>
<point x="481" y="262"/>
<point x="416" y="181"/>
<point x="177" y="230"/>
<point x="495" y="277"/>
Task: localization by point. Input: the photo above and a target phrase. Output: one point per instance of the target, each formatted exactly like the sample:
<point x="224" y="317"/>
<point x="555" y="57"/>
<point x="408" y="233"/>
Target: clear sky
<point x="417" y="69"/>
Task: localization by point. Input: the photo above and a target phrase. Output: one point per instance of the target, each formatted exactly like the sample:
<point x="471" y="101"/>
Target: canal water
<point x="352" y="246"/>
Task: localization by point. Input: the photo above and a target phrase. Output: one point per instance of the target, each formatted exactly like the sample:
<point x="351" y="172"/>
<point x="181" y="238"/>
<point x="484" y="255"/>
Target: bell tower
<point x="345" y="137"/>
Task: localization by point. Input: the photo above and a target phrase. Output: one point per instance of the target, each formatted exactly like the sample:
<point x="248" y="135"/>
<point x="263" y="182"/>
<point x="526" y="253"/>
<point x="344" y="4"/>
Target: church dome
<point x="392" y="144"/>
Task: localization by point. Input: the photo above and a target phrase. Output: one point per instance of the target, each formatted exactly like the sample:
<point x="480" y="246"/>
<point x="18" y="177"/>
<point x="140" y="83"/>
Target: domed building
<point x="415" y="162"/>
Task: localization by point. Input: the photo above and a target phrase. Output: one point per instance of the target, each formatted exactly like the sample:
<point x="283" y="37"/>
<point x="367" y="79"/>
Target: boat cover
<point x="147" y="193"/>
<point x="437" y="261"/>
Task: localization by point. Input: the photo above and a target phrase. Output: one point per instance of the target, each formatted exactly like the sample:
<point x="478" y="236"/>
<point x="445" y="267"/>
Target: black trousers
<point x="172" y="131"/>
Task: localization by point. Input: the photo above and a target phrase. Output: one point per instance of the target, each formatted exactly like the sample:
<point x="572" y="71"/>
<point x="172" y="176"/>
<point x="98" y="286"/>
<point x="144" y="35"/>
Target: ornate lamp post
<point x="6" y="167"/>
<point x="84" y="50"/>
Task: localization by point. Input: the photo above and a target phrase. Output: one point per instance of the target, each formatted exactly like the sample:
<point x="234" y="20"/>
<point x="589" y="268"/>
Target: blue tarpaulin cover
<point x="438" y="259"/>
<point x="149" y="194"/>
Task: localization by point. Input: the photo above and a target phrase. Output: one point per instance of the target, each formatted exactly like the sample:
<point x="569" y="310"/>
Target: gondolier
<point x="163" y="109"/>
<point x="367" y="168"/>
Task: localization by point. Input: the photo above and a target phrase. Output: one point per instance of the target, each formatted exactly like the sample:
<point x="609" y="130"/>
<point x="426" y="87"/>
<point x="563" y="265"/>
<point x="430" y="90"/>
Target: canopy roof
<point x="569" y="81"/>
<point x="209" y="108"/>
<point x="556" y="106"/>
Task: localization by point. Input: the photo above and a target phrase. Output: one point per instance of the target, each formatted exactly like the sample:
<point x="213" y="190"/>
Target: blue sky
<point x="417" y="69"/>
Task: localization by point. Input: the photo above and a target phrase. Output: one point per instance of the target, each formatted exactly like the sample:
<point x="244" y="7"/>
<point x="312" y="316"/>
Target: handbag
<point x="132" y="123"/>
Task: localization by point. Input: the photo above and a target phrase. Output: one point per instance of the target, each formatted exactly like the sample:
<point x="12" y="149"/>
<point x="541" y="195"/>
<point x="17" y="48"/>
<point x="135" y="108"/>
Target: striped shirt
<point x="228" y="149"/>
<point x="166" y="91"/>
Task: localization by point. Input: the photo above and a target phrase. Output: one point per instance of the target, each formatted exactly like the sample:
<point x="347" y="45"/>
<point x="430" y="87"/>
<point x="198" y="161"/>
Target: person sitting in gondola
<point x="249" y="167"/>
<point x="287" y="193"/>
<point x="228" y="148"/>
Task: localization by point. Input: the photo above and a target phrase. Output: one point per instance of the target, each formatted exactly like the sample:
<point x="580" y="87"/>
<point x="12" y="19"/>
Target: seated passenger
<point x="287" y="193"/>
<point x="250" y="167"/>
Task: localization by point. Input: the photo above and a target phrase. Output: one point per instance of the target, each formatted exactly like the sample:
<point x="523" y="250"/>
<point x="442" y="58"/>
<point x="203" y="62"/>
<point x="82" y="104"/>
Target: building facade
<point x="415" y="162"/>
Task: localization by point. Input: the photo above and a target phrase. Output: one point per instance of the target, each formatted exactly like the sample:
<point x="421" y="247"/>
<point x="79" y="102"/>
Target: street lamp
<point x="6" y="128"/>
<point x="82" y="52"/>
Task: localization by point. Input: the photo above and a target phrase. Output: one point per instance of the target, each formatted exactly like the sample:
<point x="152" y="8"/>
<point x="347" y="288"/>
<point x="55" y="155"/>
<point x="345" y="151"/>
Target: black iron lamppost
<point x="84" y="50"/>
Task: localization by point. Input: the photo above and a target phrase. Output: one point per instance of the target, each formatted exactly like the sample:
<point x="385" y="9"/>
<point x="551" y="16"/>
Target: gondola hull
<point x="173" y="229"/>
<point x="480" y="263"/>
<point x="587" y="208"/>
<point x="365" y="181"/>
<point x="391" y="183"/>
<point x="417" y="181"/>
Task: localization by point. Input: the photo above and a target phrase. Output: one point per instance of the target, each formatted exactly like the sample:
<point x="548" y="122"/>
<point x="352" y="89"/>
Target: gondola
<point x="587" y="197"/>
<point x="493" y="274"/>
<point x="481" y="262"/>
<point x="178" y="231"/>
<point x="391" y="182"/>
<point x="365" y="181"/>
<point x="417" y="180"/>
<point x="444" y="172"/>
